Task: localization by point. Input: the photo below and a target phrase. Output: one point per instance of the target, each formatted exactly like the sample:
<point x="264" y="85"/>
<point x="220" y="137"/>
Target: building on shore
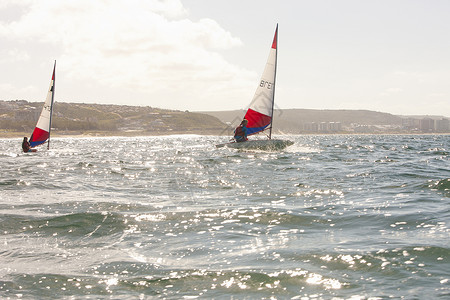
<point x="322" y="127"/>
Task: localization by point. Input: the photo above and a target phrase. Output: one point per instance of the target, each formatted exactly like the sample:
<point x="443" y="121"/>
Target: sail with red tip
<point x="41" y="132"/>
<point x="260" y="112"/>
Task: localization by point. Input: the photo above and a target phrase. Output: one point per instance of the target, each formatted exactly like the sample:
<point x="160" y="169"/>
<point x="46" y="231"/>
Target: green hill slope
<point x="80" y="118"/>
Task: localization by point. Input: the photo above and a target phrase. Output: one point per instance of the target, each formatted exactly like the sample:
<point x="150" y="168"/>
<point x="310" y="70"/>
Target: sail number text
<point x="266" y="84"/>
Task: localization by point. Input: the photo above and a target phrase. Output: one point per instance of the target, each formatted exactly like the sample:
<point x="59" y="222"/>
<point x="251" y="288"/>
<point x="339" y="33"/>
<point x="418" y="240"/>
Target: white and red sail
<point x="260" y="112"/>
<point x="41" y="132"/>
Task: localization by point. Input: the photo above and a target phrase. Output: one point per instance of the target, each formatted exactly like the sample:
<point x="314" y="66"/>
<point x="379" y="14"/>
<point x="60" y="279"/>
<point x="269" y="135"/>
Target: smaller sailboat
<point x="41" y="132"/>
<point x="259" y="116"/>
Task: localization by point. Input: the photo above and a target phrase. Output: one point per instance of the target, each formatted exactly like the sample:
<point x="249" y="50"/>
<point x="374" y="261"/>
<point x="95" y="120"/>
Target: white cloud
<point x="13" y="55"/>
<point x="147" y="47"/>
<point x="438" y="95"/>
<point x="394" y="90"/>
<point x="7" y="88"/>
<point x="391" y="92"/>
<point x="416" y="77"/>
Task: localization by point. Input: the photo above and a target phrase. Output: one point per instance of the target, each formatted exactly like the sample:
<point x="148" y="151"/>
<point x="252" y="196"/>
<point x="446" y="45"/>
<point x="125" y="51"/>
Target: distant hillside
<point x="286" y="120"/>
<point x="98" y="119"/>
<point x="19" y="117"/>
<point x="296" y="121"/>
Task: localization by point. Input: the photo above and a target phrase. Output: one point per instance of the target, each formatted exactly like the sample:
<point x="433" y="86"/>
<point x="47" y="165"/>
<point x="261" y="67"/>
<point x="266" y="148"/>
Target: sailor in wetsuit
<point x="240" y="133"/>
<point x="26" y="147"/>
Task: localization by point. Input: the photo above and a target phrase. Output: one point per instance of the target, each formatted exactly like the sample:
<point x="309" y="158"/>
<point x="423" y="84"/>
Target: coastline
<point x="77" y="134"/>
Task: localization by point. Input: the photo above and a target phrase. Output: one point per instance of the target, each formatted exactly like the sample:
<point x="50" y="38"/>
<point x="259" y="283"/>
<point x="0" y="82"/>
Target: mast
<point x="51" y="106"/>
<point x="275" y="42"/>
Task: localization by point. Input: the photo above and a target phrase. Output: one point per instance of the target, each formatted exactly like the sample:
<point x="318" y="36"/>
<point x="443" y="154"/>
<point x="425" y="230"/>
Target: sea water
<point x="331" y="217"/>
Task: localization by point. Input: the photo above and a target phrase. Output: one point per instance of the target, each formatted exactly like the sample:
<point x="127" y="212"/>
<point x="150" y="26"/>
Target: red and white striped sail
<point x="260" y="112"/>
<point x="41" y="132"/>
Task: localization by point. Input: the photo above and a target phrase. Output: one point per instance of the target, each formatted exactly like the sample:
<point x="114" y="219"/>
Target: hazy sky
<point x="384" y="55"/>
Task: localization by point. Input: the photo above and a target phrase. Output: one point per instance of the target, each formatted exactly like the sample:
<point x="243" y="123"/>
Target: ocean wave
<point x="70" y="225"/>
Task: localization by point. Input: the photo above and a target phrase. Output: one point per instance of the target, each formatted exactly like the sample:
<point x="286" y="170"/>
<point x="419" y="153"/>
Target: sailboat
<point x="260" y="112"/>
<point x="41" y="132"/>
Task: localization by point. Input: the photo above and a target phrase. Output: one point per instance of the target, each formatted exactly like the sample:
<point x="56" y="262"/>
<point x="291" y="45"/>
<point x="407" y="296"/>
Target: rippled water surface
<point x="361" y="217"/>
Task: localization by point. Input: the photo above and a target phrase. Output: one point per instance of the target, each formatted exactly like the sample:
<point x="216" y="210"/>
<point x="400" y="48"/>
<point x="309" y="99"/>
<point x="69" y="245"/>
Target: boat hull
<point x="263" y="145"/>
